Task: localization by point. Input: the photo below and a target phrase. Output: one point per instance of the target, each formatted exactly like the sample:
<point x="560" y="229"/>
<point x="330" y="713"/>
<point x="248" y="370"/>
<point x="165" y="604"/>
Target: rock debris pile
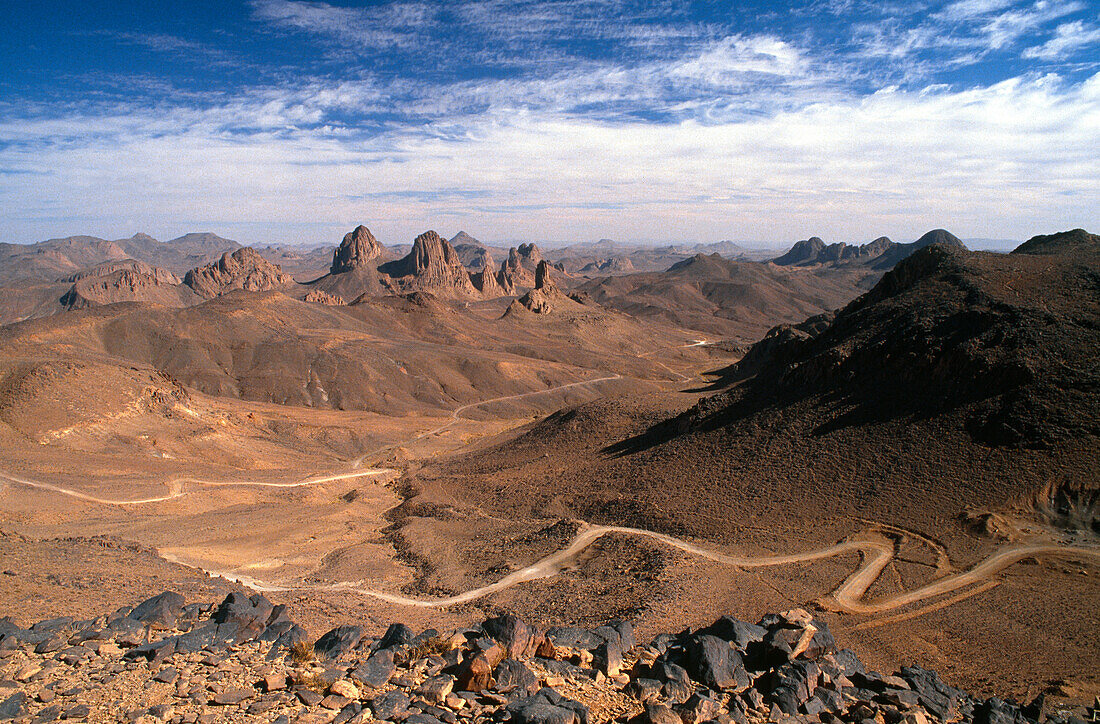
<point x="246" y="660"/>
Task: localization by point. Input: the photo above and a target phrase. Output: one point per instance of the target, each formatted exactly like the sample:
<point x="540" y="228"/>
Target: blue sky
<point x="290" y="121"/>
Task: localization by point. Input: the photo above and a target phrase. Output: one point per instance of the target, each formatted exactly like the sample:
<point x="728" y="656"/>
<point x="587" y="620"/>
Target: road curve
<point x="877" y="553"/>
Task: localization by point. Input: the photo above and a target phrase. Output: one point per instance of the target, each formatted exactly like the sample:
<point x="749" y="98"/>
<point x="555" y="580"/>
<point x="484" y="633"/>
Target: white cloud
<point x="1068" y="37"/>
<point x="1007" y="161"/>
<point x="1008" y="27"/>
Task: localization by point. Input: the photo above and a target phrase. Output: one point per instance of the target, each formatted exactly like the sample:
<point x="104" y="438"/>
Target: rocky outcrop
<point x="485" y="280"/>
<point x="807" y="251"/>
<point x="242" y="269"/>
<point x="124" y="281"/>
<point x="246" y="660"/>
<point x="161" y="276"/>
<point x="518" y="270"/>
<point x="545" y="295"/>
<point x="358" y="249"/>
<point x="432" y="265"/>
<point x="320" y="296"/>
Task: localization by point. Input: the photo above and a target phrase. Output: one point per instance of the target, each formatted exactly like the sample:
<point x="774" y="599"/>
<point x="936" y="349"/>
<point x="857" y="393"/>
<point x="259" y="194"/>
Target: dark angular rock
<point x="422" y="719"/>
<point x="53" y="624"/>
<point x="160" y="611"/>
<point x="338" y="641"/>
<point x="126" y="631"/>
<point x="55" y="642"/>
<point x="739" y="633"/>
<point x="996" y="711"/>
<point x="376" y="671"/>
<point x="347" y="713"/>
<point x="80" y="711"/>
<point x="618" y="632"/>
<point x="698" y="708"/>
<point x="714" y="663"/>
<point x="547" y="707"/>
<point x="516" y="638"/>
<point x="753" y="699"/>
<point x="390" y="706"/>
<point x="678" y="684"/>
<point x="204" y="637"/>
<point x="846" y="662"/>
<point x="941" y="700"/>
<point x="512" y="675"/>
<point x="153" y="651"/>
<point x="249" y="615"/>
<point x="659" y="714"/>
<point x="287" y="639"/>
<point x="309" y="697"/>
<point x="609" y="657"/>
<point x="792" y="685"/>
<point x="644" y="689"/>
<point x="398" y="634"/>
<point x="13" y="706"/>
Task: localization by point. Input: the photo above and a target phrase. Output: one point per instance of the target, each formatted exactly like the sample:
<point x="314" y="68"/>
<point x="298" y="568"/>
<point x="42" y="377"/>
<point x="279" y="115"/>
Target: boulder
<point x="338" y="641"/>
<point x="547" y="707"/>
<point x="512" y="675"/>
<point x="161" y="611"/>
<point x="516" y="638"/>
<point x="390" y="706"/>
<point x="740" y="633"/>
<point x="715" y="663"/>
<point x="376" y="671"/>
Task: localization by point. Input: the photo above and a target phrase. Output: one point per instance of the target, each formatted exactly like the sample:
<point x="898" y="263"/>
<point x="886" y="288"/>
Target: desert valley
<point x="898" y="438"/>
<point x="550" y="362"/>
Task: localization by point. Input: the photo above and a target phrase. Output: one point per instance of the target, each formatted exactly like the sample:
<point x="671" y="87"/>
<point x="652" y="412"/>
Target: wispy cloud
<point x="993" y="161"/>
<point x="1068" y="37"/>
<point x="583" y="118"/>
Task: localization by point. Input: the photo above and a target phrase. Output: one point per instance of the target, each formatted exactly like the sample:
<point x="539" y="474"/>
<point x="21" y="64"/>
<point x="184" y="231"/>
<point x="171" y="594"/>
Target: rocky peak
<point x="432" y="265"/>
<point x="241" y="269"/>
<point x="530" y="253"/>
<point x="519" y="269"/>
<point x="542" y="276"/>
<point x="546" y="295"/>
<point x="358" y="247"/>
<point x="485" y="281"/>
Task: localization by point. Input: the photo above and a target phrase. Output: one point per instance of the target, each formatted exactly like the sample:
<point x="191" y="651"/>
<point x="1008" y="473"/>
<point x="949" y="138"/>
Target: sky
<point x="291" y="121"/>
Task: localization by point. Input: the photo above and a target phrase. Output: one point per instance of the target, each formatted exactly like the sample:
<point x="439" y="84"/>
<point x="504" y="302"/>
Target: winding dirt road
<point x="876" y="549"/>
<point x="877" y="553"/>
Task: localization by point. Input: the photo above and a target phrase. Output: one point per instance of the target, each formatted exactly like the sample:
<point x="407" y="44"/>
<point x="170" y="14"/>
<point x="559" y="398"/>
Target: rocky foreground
<point x="246" y="660"/>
